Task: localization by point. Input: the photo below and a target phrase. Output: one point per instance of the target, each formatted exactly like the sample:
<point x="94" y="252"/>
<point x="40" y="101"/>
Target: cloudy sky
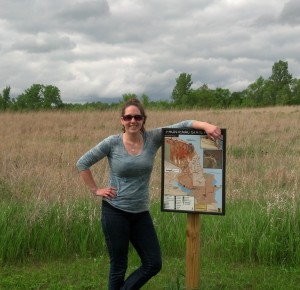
<point x="93" y="49"/>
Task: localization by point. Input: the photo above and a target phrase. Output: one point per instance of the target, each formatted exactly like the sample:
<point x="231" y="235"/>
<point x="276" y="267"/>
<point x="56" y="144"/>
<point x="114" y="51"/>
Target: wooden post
<point x="193" y="252"/>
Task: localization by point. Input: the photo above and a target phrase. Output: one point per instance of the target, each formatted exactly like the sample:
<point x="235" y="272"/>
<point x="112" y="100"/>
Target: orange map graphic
<point x="184" y="175"/>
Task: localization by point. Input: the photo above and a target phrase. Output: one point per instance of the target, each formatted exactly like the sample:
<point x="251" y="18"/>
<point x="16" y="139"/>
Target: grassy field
<point x="50" y="222"/>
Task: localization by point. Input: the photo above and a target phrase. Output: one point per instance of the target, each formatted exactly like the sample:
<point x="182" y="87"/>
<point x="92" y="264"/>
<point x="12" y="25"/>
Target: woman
<point x="125" y="201"/>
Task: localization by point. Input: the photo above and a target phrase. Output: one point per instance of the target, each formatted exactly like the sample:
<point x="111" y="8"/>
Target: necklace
<point x="133" y="146"/>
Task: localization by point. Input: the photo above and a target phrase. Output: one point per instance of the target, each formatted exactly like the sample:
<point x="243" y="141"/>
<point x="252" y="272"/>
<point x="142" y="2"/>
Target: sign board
<point x="193" y="172"/>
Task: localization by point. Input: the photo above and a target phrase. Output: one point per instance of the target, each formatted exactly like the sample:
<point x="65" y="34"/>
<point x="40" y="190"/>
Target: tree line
<point x="279" y="89"/>
<point x="35" y="98"/>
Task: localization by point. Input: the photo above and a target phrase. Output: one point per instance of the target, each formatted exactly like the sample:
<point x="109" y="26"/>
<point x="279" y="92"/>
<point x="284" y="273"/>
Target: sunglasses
<point x="136" y="117"/>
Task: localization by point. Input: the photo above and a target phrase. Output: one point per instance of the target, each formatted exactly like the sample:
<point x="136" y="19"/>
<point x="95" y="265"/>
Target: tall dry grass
<point x="46" y="211"/>
<point x="38" y="150"/>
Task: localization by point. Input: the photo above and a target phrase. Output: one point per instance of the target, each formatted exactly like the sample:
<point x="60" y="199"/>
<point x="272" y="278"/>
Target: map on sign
<point x="193" y="172"/>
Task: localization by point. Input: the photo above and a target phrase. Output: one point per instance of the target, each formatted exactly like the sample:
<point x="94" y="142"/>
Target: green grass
<point x="256" y="245"/>
<point x="250" y="232"/>
<point x="42" y="231"/>
<point x="92" y="274"/>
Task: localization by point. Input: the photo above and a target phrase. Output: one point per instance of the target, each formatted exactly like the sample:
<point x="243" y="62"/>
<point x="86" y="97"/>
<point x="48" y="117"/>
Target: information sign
<point x="193" y="172"/>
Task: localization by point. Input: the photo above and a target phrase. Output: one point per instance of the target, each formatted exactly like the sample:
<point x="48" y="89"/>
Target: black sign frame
<point x="193" y="172"/>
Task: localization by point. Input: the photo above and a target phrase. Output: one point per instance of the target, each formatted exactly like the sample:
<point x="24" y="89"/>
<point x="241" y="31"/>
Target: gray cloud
<point x="108" y="48"/>
<point x="83" y="11"/>
<point x="291" y="13"/>
<point x="44" y="43"/>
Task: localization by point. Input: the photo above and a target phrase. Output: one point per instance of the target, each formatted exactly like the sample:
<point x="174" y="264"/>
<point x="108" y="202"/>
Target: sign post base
<point x="193" y="252"/>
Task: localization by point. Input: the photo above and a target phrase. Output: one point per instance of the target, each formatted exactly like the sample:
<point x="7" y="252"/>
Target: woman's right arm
<point x="89" y="159"/>
<point x="89" y="180"/>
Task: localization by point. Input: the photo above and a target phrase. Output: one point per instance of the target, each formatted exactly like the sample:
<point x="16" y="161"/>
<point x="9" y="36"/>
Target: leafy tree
<point x="182" y="88"/>
<point x="128" y="96"/>
<point x="280" y="81"/>
<point x="145" y="100"/>
<point x="222" y="97"/>
<point x="161" y="105"/>
<point x="204" y="97"/>
<point x="188" y="101"/>
<point x="295" y="89"/>
<point x="51" y="97"/>
<point x="31" y="98"/>
<point x="39" y="97"/>
<point x="5" y="101"/>
<point x="255" y="92"/>
<point x="280" y="74"/>
<point x="236" y="99"/>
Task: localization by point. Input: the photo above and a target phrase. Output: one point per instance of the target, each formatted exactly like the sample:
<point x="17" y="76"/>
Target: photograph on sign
<point x="193" y="172"/>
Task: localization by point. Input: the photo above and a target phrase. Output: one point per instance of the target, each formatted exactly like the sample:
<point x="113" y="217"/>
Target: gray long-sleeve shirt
<point x="129" y="174"/>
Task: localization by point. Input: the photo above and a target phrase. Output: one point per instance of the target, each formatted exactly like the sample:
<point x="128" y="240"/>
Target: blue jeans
<point x="120" y="228"/>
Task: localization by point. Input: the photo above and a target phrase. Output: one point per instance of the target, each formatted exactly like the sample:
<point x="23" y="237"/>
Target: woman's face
<point x="132" y="120"/>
